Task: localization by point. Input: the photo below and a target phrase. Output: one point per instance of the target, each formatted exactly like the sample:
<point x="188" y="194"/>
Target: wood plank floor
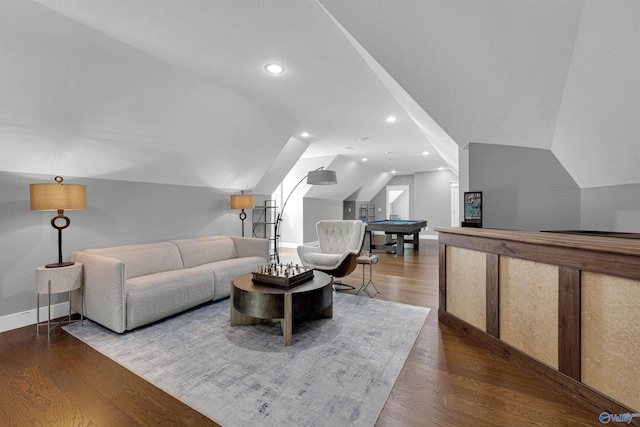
<point x="447" y="380"/>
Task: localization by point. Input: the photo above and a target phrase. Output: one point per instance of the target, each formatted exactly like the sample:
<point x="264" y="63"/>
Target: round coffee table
<point x="253" y="303"/>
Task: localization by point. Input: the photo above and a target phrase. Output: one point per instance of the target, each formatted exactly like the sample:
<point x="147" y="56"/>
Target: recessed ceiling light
<point x="364" y="159"/>
<point x="391" y="119"/>
<point x="274" y="68"/>
<point x="440" y="168"/>
<point x="304" y="134"/>
<point x="393" y="171"/>
<point x="425" y="153"/>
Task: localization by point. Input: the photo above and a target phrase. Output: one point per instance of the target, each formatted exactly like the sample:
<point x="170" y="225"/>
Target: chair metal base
<point x="341" y="286"/>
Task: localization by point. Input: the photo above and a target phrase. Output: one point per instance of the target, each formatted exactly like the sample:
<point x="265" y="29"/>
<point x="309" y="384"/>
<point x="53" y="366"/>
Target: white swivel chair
<point x="340" y="242"/>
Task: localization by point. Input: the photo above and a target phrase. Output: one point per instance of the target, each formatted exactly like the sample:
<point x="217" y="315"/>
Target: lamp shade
<point x="53" y="197"/>
<point x="242" y="201"/>
<point x="322" y="177"/>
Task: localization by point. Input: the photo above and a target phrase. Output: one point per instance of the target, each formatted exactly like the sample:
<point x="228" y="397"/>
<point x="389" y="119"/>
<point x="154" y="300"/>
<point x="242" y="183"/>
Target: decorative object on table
<point x="472" y="209"/>
<point x="58" y="197"/>
<point x="320" y="176"/>
<point x="340" y="244"/>
<point x="242" y="201"/>
<point x="283" y="276"/>
<point x="55" y="280"/>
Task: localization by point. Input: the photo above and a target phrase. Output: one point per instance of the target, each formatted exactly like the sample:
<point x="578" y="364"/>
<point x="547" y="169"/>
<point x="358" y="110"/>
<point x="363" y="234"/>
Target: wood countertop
<point x="615" y="245"/>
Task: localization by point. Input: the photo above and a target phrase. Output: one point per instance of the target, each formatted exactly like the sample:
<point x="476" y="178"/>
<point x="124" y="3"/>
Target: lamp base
<point x="59" y="264"/>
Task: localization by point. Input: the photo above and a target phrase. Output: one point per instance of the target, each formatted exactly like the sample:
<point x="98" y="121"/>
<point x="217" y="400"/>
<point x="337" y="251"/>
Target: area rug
<point x="337" y="372"/>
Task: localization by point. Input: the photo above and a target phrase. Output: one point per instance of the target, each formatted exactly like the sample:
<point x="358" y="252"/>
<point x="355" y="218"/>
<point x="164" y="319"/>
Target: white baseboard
<point x="29" y="317"/>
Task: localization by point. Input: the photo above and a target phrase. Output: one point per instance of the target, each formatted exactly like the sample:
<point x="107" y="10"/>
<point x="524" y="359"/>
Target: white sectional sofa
<point x="126" y="287"/>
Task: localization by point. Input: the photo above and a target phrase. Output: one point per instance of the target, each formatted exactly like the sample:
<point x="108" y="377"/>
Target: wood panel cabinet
<point x="561" y="305"/>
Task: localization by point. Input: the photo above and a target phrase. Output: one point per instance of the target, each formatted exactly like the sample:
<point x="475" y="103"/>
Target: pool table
<point x="399" y="227"/>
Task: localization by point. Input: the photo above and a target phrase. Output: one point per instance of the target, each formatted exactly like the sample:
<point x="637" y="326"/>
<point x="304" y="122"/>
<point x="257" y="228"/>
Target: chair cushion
<point x="319" y="260"/>
<point x="338" y="236"/>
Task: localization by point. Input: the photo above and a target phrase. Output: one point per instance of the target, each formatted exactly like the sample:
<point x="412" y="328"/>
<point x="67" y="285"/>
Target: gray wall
<point x="313" y="211"/>
<point x="380" y="203"/>
<point x="612" y="208"/>
<point x="433" y="199"/>
<point x="349" y="209"/>
<point x="523" y="188"/>
<point x="118" y="213"/>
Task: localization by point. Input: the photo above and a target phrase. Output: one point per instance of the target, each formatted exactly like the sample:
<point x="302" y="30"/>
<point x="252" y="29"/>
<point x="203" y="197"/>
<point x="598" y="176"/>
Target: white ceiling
<point x="559" y="75"/>
<point x="174" y="91"/>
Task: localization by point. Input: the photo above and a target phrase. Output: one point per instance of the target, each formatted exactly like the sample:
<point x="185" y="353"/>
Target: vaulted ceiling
<point x="175" y="91"/>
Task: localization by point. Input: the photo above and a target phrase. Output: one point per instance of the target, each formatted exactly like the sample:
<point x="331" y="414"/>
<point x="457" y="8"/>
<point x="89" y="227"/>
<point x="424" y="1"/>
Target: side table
<point x="364" y="260"/>
<point x="55" y="280"/>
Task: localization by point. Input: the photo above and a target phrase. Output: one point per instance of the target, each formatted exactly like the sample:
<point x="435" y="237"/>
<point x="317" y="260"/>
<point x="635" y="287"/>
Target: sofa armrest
<point x="104" y="289"/>
<point x="251" y="246"/>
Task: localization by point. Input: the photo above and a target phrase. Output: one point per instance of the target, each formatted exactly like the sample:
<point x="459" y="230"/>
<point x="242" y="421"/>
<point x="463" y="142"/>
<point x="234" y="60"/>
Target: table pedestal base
<point x="254" y="304"/>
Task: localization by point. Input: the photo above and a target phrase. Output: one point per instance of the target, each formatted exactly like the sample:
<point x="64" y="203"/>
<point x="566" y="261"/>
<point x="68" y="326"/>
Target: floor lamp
<point x="242" y="201"/>
<point x="58" y="197"/>
<point x="320" y="176"/>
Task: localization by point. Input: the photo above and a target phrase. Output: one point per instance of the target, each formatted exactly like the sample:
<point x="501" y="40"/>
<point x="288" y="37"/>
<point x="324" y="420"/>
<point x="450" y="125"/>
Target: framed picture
<point x="473" y="208"/>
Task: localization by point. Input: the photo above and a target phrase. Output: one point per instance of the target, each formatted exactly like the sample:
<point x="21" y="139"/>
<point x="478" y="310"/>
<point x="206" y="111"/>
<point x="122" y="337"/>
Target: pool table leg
<point x="400" y="245"/>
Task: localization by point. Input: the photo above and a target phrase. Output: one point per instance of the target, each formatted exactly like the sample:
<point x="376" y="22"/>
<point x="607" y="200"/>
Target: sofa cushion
<point x="203" y="250"/>
<point x="226" y="270"/>
<point x="143" y="259"/>
<point x="155" y="296"/>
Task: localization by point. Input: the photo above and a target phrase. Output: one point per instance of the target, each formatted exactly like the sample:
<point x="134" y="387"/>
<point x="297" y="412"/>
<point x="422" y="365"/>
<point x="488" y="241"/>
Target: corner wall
<point x="523" y="188"/>
<point x="611" y="208"/>
<point x="433" y="199"/>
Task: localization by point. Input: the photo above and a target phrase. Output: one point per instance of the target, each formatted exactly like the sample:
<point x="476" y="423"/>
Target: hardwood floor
<point x="447" y="380"/>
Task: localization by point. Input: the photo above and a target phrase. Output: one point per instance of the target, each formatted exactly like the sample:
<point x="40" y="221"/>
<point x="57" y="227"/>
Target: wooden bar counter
<point x="566" y="306"/>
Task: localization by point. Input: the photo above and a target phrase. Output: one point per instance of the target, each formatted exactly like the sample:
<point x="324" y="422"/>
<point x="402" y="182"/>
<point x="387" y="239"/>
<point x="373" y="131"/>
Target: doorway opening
<point x="398" y="201"/>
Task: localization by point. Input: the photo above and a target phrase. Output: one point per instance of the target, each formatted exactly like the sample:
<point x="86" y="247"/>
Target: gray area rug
<point x="338" y="371"/>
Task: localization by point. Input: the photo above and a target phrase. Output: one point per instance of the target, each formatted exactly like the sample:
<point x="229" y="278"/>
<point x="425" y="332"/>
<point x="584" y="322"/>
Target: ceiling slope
<point x="174" y="91"/>
<point x="328" y="89"/>
<point x="353" y="177"/>
<point x="597" y="136"/>
<point x="443" y="144"/>
<point x="517" y="73"/>
<point x="76" y="102"/>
